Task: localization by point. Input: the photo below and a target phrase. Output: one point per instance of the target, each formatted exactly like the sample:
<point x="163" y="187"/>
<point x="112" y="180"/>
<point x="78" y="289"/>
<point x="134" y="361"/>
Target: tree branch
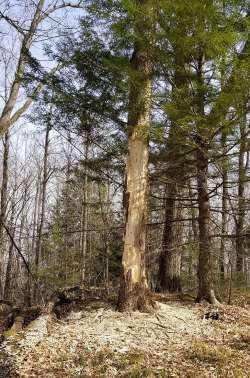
<point x="32" y="97"/>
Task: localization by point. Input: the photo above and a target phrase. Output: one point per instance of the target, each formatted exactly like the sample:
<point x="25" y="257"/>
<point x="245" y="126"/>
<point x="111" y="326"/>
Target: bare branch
<point x="53" y="8"/>
<point x="13" y="23"/>
<point x="33" y="96"/>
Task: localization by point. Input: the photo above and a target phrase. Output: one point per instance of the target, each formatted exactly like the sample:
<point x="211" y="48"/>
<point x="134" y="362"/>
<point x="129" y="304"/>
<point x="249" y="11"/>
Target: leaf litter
<point x="173" y="341"/>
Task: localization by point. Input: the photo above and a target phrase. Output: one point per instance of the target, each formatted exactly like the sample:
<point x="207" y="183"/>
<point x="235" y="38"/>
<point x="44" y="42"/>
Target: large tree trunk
<point x="205" y="274"/>
<point x="132" y="295"/>
<point x="170" y="260"/>
<point x="206" y="290"/>
<point x="133" y="286"/>
<point x="3" y="207"/>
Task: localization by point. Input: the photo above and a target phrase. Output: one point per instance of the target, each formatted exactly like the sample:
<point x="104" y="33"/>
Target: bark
<point x="66" y="221"/>
<point x="26" y="286"/>
<point x="84" y="215"/>
<point x="15" y="315"/>
<point x="222" y="256"/>
<point x="3" y="205"/>
<point x="84" y="222"/>
<point x="105" y="233"/>
<point x="205" y="275"/>
<point x="193" y="234"/>
<point x="206" y="290"/>
<point x="133" y="285"/>
<point x="8" y="274"/>
<point x="42" y="209"/>
<point x="43" y="196"/>
<point x="36" y="207"/>
<point x="241" y="199"/>
<point x="75" y="298"/>
<point x="170" y="259"/>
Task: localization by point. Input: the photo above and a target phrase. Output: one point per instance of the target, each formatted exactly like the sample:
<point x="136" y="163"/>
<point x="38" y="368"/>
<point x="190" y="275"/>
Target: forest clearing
<point x="124" y="188"/>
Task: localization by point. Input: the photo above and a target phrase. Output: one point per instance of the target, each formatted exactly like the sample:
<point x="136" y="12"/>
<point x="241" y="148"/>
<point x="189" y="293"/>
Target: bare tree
<point x="10" y="112"/>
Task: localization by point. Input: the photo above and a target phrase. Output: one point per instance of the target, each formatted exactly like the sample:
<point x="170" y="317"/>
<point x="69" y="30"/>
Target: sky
<point x="27" y="139"/>
<point x="49" y="32"/>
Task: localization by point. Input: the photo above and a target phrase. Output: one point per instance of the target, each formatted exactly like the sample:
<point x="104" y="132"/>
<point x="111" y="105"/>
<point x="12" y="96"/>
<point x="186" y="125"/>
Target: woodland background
<point x="67" y="69"/>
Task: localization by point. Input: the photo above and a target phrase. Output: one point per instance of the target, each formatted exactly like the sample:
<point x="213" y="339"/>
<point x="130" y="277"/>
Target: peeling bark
<point x="133" y="286"/>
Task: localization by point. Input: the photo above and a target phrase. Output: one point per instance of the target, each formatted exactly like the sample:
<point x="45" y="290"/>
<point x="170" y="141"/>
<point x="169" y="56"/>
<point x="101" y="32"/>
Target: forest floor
<point x="174" y="341"/>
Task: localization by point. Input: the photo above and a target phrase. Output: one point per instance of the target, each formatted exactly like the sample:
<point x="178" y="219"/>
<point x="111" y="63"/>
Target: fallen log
<point x="16" y="318"/>
<point x="62" y="302"/>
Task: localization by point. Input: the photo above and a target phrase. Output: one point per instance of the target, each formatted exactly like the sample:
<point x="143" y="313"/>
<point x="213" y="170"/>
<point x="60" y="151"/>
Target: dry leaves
<point x="175" y="341"/>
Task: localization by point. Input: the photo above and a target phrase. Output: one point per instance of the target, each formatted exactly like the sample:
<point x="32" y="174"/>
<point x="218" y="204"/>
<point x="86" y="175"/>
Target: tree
<point x="164" y="87"/>
<point x="176" y="175"/>
<point x="46" y="173"/>
<point x="4" y="199"/>
<point x="242" y="169"/>
<point x="133" y="287"/>
<point x="41" y="11"/>
<point x="203" y="45"/>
